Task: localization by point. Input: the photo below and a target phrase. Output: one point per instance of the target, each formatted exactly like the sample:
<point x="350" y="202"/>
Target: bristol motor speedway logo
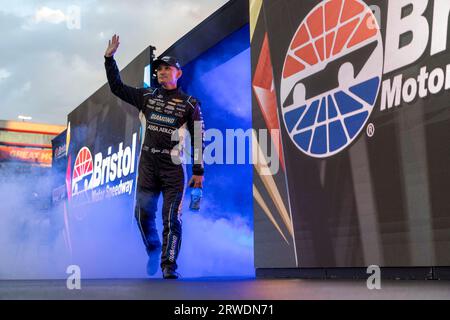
<point x="331" y="76"/>
<point x="82" y="171"/>
<point x="104" y="174"/>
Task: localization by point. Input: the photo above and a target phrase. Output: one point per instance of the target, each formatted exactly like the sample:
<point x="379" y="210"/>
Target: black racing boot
<point x="153" y="261"/>
<point x="169" y="273"/>
<point x="153" y="252"/>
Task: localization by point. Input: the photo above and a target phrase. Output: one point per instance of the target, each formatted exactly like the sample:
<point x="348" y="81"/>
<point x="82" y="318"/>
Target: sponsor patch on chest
<point x="162" y="118"/>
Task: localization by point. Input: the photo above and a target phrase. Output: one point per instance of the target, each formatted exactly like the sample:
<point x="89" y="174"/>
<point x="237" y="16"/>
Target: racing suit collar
<point x="169" y="92"/>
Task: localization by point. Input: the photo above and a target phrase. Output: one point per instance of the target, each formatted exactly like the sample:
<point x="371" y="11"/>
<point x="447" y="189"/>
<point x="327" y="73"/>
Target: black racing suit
<point x="165" y="111"/>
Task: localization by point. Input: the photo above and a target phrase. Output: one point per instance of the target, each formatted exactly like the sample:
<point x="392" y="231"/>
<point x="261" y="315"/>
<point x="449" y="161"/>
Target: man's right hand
<point x="113" y="44"/>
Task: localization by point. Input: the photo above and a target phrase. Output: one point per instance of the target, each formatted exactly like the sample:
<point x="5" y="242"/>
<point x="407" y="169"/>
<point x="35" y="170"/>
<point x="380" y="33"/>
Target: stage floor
<point x="223" y="289"/>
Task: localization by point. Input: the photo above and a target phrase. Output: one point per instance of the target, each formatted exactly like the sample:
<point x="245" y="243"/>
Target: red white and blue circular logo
<point x="331" y="76"/>
<point x="82" y="171"/>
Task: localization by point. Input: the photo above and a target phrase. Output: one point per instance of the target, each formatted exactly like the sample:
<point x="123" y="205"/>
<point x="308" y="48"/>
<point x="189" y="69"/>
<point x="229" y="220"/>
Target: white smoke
<point x="32" y="243"/>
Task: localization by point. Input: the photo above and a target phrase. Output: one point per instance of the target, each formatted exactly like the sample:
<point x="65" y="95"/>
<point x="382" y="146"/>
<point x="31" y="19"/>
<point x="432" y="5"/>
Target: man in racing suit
<point x="166" y="109"/>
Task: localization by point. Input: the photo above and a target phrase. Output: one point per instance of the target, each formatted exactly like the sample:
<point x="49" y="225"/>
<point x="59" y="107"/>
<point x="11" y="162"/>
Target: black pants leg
<point x="145" y="213"/>
<point x="173" y="181"/>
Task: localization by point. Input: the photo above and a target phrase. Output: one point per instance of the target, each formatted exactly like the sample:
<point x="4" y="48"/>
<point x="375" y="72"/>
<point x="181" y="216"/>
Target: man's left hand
<point x="196" y="181"/>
